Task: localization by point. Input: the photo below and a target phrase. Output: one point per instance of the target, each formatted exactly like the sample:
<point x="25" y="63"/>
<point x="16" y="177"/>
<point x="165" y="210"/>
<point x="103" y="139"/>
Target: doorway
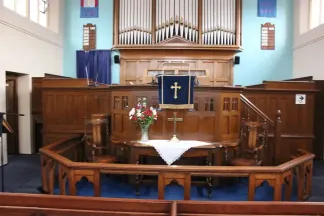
<point x="12" y="107"/>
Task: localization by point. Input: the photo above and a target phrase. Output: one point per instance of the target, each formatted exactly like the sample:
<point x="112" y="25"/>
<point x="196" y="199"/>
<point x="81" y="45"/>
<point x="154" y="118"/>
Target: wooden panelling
<point x="302" y="85"/>
<point x="216" y="117"/>
<point x="319" y="120"/>
<point x="65" y="109"/>
<point x="211" y="68"/>
<point x="206" y="122"/>
<point x="297" y="119"/>
<point x="37" y="97"/>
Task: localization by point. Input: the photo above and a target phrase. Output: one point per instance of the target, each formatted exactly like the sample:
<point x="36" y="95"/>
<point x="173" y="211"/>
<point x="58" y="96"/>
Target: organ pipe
<point x="177" y="18"/>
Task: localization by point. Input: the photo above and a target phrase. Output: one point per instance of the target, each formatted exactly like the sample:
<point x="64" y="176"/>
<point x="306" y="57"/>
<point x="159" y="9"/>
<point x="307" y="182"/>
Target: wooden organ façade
<point x="205" y="34"/>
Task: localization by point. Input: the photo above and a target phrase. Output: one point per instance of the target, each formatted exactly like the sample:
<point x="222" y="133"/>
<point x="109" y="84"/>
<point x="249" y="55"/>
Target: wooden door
<point x="12" y="107"/>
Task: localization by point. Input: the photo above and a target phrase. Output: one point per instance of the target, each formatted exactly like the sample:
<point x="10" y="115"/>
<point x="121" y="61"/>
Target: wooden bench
<point x="51" y="205"/>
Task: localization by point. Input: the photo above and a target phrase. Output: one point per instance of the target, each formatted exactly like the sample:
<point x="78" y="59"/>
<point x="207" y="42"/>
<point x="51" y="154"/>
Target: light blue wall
<point x="73" y="34"/>
<point x="256" y="64"/>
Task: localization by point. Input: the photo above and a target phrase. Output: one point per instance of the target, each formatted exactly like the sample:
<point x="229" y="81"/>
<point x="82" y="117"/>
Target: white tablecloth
<point x="172" y="151"/>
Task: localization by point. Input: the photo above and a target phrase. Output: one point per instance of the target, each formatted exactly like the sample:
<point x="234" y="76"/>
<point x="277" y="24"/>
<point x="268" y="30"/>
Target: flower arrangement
<point x="144" y="118"/>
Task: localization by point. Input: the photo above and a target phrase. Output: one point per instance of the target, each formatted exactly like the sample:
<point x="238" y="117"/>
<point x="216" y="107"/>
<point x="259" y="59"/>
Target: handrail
<point x="256" y="110"/>
<point x="151" y="169"/>
<point x="193" y="170"/>
<point x="60" y="142"/>
<point x="51" y="158"/>
<point x="296" y="161"/>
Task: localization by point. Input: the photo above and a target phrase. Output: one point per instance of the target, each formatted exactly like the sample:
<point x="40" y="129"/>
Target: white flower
<point x="131" y="113"/>
<point x="154" y="113"/>
<point x="151" y="108"/>
<point x="138" y="114"/>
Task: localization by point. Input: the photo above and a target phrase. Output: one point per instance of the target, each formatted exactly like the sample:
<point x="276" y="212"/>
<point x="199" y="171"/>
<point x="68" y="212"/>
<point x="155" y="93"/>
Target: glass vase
<point x="144" y="130"/>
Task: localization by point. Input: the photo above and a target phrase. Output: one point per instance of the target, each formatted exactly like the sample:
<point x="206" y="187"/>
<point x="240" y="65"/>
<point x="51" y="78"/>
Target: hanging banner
<point x="267" y="8"/>
<point x="89" y="9"/>
<point x="176" y="91"/>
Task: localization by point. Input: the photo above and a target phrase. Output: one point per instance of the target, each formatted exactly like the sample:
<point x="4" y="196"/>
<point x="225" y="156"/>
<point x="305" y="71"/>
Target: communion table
<point x="213" y="152"/>
<point x="171" y="151"/>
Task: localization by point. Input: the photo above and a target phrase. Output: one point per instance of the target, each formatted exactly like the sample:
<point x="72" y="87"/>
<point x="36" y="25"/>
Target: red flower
<point x="148" y="113"/>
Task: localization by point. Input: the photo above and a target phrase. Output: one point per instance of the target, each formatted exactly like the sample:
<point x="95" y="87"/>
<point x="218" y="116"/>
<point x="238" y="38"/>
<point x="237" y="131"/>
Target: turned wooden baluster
<point x="265" y="152"/>
<point x="277" y="139"/>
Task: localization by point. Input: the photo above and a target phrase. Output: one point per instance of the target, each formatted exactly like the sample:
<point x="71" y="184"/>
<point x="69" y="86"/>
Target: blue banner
<point x="89" y="9"/>
<point x="267" y="8"/>
<point x="176" y="92"/>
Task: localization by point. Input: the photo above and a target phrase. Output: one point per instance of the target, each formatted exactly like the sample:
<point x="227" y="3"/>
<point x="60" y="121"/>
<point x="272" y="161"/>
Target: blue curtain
<point x="97" y="63"/>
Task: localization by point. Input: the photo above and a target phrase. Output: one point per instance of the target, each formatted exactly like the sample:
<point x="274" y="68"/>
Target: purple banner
<point x="267" y="8"/>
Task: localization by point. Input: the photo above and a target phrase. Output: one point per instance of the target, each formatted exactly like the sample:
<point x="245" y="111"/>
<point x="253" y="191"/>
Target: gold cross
<point x="175" y="120"/>
<point x="175" y="87"/>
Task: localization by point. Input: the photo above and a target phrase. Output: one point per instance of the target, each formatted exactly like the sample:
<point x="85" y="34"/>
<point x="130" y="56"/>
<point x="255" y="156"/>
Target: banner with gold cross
<point x="176" y="91"/>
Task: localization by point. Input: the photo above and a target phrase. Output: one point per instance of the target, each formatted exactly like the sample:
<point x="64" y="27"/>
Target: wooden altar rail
<point x="73" y="172"/>
<point x="32" y="204"/>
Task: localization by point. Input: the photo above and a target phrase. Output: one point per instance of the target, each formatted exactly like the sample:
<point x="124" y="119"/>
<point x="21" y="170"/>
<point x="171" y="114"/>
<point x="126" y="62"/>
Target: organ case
<point x="210" y="28"/>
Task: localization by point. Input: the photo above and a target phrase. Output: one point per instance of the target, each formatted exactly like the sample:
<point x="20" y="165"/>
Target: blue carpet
<point x="112" y="188"/>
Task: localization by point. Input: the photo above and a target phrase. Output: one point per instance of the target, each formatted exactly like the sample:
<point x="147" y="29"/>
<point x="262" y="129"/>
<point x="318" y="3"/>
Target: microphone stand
<point x="1" y="143"/>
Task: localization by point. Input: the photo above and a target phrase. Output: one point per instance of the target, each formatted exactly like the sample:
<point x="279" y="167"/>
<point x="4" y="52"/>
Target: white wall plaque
<point x="300" y="99"/>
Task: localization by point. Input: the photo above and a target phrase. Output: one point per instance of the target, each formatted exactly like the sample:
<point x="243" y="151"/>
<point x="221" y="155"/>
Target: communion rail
<point x="63" y="155"/>
<point x="42" y="205"/>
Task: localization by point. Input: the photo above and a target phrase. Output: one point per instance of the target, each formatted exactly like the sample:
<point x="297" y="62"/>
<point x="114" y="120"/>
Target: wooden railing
<point x="272" y="150"/>
<point x="42" y="205"/>
<point x="72" y="171"/>
<point x="255" y="109"/>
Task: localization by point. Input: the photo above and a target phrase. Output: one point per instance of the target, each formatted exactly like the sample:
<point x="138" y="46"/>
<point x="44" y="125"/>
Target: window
<point x="33" y="9"/>
<point x="316" y="13"/>
<point x="10" y="4"/>
<point x="19" y="6"/>
<point x="36" y="12"/>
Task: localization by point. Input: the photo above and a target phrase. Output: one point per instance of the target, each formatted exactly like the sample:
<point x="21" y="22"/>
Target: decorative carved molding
<point x="177" y="40"/>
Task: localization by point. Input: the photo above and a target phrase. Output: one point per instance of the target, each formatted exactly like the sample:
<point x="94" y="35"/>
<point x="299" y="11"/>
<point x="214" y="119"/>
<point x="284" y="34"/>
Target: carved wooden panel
<point x="198" y="124"/>
<point x="208" y="72"/>
<point x="64" y="109"/>
<point x="230" y="116"/>
<point x="297" y="120"/>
